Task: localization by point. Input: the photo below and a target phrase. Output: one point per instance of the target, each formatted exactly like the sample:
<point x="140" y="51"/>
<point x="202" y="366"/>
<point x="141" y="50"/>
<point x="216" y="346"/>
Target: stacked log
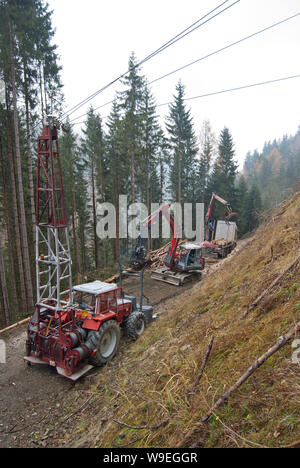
<point x="156" y="257"/>
<point x="221" y="242"/>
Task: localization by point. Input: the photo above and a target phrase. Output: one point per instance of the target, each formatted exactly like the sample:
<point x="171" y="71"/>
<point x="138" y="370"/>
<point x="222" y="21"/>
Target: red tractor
<point x="86" y="334"/>
<point x="72" y="328"/>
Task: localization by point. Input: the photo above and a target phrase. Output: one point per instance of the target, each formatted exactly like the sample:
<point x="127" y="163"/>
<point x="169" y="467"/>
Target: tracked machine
<point x="183" y="262"/>
<point x="72" y="328"/>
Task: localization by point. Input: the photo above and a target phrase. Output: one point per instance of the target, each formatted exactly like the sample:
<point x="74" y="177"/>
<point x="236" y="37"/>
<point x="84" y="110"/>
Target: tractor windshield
<point x="85" y="301"/>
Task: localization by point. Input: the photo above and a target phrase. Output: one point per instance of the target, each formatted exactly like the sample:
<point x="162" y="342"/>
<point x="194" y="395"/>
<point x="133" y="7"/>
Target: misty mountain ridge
<point x="276" y="170"/>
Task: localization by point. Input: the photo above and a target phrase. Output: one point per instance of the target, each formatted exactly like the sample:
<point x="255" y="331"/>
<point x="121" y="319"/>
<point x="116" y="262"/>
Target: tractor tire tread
<point x="95" y="336"/>
<point x="131" y="323"/>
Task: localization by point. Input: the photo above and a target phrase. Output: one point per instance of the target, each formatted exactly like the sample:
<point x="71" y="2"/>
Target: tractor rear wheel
<point x="135" y="324"/>
<point x="106" y="341"/>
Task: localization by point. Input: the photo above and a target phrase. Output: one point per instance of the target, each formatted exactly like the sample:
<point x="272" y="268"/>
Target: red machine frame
<point x="59" y="338"/>
<point x="58" y="330"/>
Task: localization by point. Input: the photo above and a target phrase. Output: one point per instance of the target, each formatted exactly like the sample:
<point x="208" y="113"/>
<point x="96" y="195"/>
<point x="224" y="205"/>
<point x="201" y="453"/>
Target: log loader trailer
<point x="73" y="328"/>
<point x="220" y="237"/>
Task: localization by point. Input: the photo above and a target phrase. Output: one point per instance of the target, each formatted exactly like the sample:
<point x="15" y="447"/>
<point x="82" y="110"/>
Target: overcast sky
<point x="96" y="37"/>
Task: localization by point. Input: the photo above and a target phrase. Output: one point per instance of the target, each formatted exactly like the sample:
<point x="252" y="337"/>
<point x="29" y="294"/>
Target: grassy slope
<point x="149" y="381"/>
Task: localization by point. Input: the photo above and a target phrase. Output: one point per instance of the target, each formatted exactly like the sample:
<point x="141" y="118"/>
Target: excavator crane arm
<point x="230" y="213"/>
<point x="138" y="256"/>
<point x="164" y="210"/>
<point x="210" y="247"/>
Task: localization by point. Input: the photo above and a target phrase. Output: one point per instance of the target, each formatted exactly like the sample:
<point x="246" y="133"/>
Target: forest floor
<point x="33" y="398"/>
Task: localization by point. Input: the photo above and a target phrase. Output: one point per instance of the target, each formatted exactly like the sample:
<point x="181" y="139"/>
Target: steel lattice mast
<point x="53" y="259"/>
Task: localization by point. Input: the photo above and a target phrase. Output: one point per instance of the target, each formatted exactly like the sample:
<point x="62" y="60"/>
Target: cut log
<point x="202" y="368"/>
<point x="11" y="327"/>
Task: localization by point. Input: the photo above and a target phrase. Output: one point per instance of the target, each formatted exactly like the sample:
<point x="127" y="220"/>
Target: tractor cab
<point x="85" y="301"/>
<point x="97" y="300"/>
<point x="86" y="296"/>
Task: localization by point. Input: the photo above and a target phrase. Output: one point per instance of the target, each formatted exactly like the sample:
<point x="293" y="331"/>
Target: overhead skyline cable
<point x="172" y="41"/>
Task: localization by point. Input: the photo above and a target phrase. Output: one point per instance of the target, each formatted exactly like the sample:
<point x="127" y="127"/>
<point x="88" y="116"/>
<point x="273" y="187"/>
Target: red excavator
<point x="182" y="261"/>
<point x="219" y="243"/>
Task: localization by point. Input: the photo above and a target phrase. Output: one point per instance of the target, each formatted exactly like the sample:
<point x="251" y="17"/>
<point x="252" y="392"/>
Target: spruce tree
<point x="130" y="102"/>
<point x="81" y="200"/>
<point x="224" y="172"/>
<point x="228" y="166"/>
<point x="206" y="155"/>
<point x="92" y="145"/>
<point x="183" y="149"/>
<point x="241" y="206"/>
<point x="253" y="207"/>
<point x="117" y="167"/>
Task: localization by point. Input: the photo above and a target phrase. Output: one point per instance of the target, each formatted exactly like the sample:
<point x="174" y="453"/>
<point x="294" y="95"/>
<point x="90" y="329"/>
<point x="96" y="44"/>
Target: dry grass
<point x="150" y="380"/>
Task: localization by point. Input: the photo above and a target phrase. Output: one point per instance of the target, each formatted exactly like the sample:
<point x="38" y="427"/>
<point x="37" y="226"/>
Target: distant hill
<point x="276" y="171"/>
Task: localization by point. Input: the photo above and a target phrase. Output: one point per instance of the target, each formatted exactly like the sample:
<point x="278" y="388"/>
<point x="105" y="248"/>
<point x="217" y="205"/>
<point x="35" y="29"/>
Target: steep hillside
<point x="149" y="395"/>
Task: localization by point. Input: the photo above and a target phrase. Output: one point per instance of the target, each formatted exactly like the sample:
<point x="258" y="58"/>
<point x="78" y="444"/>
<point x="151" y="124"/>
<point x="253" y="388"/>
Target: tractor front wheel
<point x="135" y="324"/>
<point x="106" y="341"/>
